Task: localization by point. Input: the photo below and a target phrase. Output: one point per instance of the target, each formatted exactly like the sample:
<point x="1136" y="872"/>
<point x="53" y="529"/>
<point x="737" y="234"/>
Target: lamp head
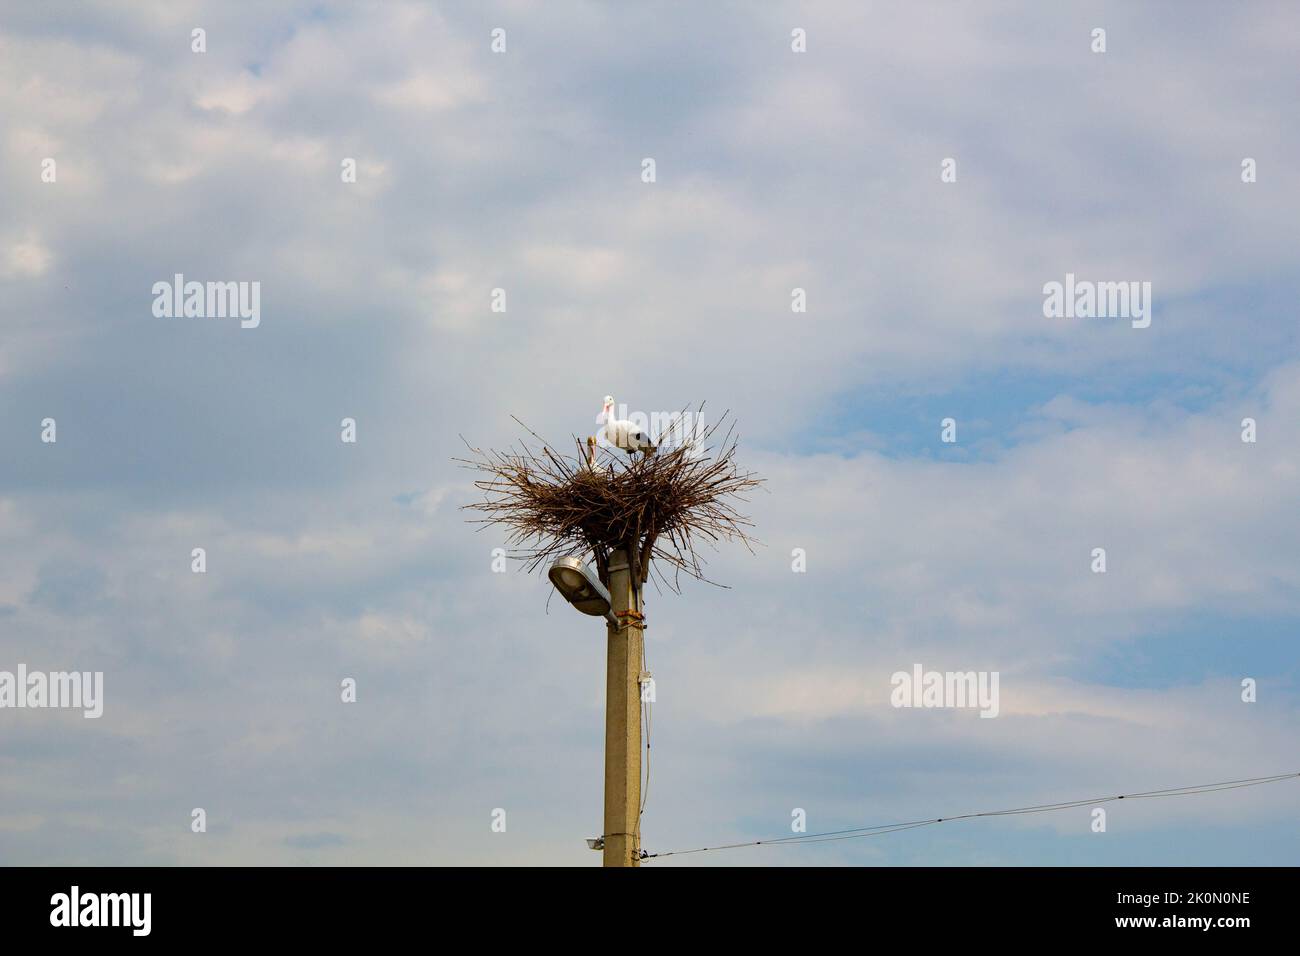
<point x="579" y="586"/>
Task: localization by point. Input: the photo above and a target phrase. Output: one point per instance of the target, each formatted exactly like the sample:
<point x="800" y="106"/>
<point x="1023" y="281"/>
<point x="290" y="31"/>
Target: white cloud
<point x="26" y="258"/>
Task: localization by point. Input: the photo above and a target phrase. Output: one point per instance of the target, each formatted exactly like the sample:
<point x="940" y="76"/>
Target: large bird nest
<point x="659" y="507"/>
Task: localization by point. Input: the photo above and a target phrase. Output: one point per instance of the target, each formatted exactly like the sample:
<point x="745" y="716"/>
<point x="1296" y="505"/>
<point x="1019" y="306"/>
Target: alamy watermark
<point x="75" y="908"/>
<point x="1084" y="299"/>
<point x="922" y="688"/>
<point x="208" y="300"/>
<point x="667" y="430"/>
<point x="57" y="689"/>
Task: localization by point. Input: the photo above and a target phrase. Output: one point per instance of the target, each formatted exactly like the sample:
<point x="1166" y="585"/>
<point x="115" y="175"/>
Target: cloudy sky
<point x="775" y="170"/>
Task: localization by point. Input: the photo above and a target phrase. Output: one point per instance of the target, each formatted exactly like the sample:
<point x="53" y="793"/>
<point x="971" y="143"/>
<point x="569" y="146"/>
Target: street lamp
<point x="620" y="844"/>
<point x="574" y="580"/>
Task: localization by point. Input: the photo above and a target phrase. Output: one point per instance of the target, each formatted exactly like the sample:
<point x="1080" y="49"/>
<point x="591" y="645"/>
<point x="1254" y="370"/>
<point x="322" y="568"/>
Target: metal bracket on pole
<point x="631" y="618"/>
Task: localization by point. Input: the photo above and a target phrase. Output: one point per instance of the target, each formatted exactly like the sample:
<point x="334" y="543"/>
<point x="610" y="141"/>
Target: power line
<point x="645" y="720"/>
<point x="856" y="833"/>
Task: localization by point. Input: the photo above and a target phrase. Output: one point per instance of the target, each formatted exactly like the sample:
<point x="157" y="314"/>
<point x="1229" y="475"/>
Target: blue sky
<point x="775" y="171"/>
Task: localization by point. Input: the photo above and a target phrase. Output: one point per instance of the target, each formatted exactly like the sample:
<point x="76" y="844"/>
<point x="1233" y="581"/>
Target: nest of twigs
<point x="659" y="507"/>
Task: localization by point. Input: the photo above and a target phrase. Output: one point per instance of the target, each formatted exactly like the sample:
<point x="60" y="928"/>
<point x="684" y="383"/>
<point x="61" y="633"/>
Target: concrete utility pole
<point x="623" y="718"/>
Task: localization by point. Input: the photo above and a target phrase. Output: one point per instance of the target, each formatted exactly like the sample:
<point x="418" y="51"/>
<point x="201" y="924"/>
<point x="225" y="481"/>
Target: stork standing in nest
<point x="620" y="433"/>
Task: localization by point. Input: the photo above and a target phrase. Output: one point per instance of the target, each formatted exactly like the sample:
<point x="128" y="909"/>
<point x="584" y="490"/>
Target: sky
<point x="774" y="170"/>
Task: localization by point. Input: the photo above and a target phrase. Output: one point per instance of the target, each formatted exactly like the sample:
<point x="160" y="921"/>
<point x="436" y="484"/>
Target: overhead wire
<point x="854" y="833"/>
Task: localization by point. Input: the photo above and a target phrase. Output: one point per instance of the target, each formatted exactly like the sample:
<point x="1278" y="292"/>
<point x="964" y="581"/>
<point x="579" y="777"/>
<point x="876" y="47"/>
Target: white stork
<point x="622" y="433"/>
